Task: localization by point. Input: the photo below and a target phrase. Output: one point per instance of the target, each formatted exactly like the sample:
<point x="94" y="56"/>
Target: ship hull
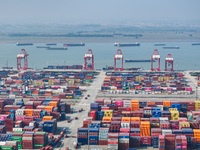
<point x="59" y="48"/>
<point x="176" y="47"/>
<point x="67" y="44"/>
<point x="24" y="44"/>
<point x="126" y="45"/>
<point x="131" y="60"/>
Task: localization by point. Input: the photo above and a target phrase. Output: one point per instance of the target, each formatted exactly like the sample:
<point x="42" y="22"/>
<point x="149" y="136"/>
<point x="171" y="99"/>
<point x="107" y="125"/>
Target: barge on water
<point x="24" y="44"/>
<point x="195" y="43"/>
<point x="171" y="47"/>
<point x="159" y="44"/>
<point x="137" y="60"/>
<point x="51" y="44"/>
<point x="132" y="44"/>
<point x="56" y="48"/>
<point x="42" y="47"/>
<point x="74" y="44"/>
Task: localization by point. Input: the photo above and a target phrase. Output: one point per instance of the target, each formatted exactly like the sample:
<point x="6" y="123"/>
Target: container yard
<point x="33" y="103"/>
<point x="146" y="83"/>
<point x="123" y="124"/>
<point x="76" y="107"/>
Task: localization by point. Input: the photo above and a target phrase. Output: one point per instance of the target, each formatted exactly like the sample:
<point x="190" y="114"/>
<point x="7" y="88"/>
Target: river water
<point x="185" y="58"/>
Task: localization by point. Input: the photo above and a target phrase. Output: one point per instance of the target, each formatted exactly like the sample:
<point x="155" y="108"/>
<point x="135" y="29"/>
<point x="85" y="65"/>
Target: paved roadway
<point x="193" y="83"/>
<point x="92" y="90"/>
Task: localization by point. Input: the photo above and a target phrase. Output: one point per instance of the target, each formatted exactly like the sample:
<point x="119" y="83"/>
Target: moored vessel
<point x="24" y="44"/>
<point x="137" y="60"/>
<point x="171" y="47"/>
<point x="56" y="48"/>
<point x="74" y="44"/>
<point x="126" y="44"/>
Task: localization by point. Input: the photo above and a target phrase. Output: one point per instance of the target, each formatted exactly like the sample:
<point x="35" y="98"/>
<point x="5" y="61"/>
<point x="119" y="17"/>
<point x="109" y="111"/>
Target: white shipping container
<point x="2" y="143"/>
<point x="17" y="129"/>
<point x="125" y="125"/>
<point x="27" y="138"/>
<point x="160" y="106"/>
<point x="163" y="119"/>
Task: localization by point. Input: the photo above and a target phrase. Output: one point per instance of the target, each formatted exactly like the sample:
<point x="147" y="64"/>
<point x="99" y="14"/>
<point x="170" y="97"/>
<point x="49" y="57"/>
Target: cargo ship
<point x="56" y="48"/>
<point x="51" y="44"/>
<point x="195" y="43"/>
<point x="171" y="47"/>
<point x="121" y="44"/>
<point x="24" y="44"/>
<point x="42" y="47"/>
<point x="74" y="44"/>
<point x="137" y="60"/>
<point x="159" y="44"/>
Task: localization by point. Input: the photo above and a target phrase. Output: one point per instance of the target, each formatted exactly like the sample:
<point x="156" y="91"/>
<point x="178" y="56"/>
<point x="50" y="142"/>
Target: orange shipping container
<point x="48" y="108"/>
<point x="47" y="118"/>
<point x="53" y="103"/>
<point x="126" y="119"/>
<point x="135" y="118"/>
<point x="166" y="104"/>
<point x="107" y="118"/>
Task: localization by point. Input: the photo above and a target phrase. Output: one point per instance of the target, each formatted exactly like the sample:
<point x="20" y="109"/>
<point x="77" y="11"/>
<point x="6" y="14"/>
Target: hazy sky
<point x="98" y="11"/>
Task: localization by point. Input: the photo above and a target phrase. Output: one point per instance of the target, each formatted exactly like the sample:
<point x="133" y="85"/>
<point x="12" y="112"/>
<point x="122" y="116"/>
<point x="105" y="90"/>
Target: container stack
<point x="123" y="141"/>
<point x="169" y="141"/>
<point x="40" y="140"/>
<point x="27" y="140"/>
<point x="50" y="126"/>
<point x="134" y="105"/>
<point x="113" y="141"/>
<point x="159" y="131"/>
<point x="93" y="136"/>
<point x="145" y="128"/>
<point x="17" y="136"/>
<point x="161" y="145"/>
<point x="103" y="136"/>
<point x="83" y="136"/>
<point x="145" y="83"/>
<point x="174" y="113"/>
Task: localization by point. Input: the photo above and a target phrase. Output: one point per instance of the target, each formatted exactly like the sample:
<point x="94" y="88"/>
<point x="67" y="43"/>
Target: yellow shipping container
<point x="172" y="109"/>
<point x="51" y="82"/>
<point x="197" y="105"/>
<point x="138" y="78"/>
<point x="160" y="79"/>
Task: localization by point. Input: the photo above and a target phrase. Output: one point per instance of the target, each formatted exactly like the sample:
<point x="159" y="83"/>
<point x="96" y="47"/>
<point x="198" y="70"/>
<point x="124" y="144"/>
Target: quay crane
<point x="89" y="55"/>
<point x="155" y="57"/>
<point x="23" y="55"/>
<point x="118" y="56"/>
<point x="169" y="63"/>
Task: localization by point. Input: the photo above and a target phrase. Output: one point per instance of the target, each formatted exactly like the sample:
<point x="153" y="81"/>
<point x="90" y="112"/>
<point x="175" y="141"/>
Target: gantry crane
<point x="23" y="55"/>
<point x="169" y="63"/>
<point x="118" y="56"/>
<point x="89" y="55"/>
<point x="155" y="58"/>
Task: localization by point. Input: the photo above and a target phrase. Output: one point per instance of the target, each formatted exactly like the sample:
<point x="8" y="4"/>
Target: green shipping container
<point x="87" y="80"/>
<point x="38" y="145"/>
<point x="6" y="147"/>
<point x="75" y="98"/>
<point x="18" y="139"/>
<point x="40" y="132"/>
<point x="19" y="146"/>
<point x="19" y="132"/>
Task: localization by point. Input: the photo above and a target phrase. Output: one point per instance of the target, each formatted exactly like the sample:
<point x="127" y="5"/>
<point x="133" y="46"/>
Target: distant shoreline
<point x="157" y="37"/>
